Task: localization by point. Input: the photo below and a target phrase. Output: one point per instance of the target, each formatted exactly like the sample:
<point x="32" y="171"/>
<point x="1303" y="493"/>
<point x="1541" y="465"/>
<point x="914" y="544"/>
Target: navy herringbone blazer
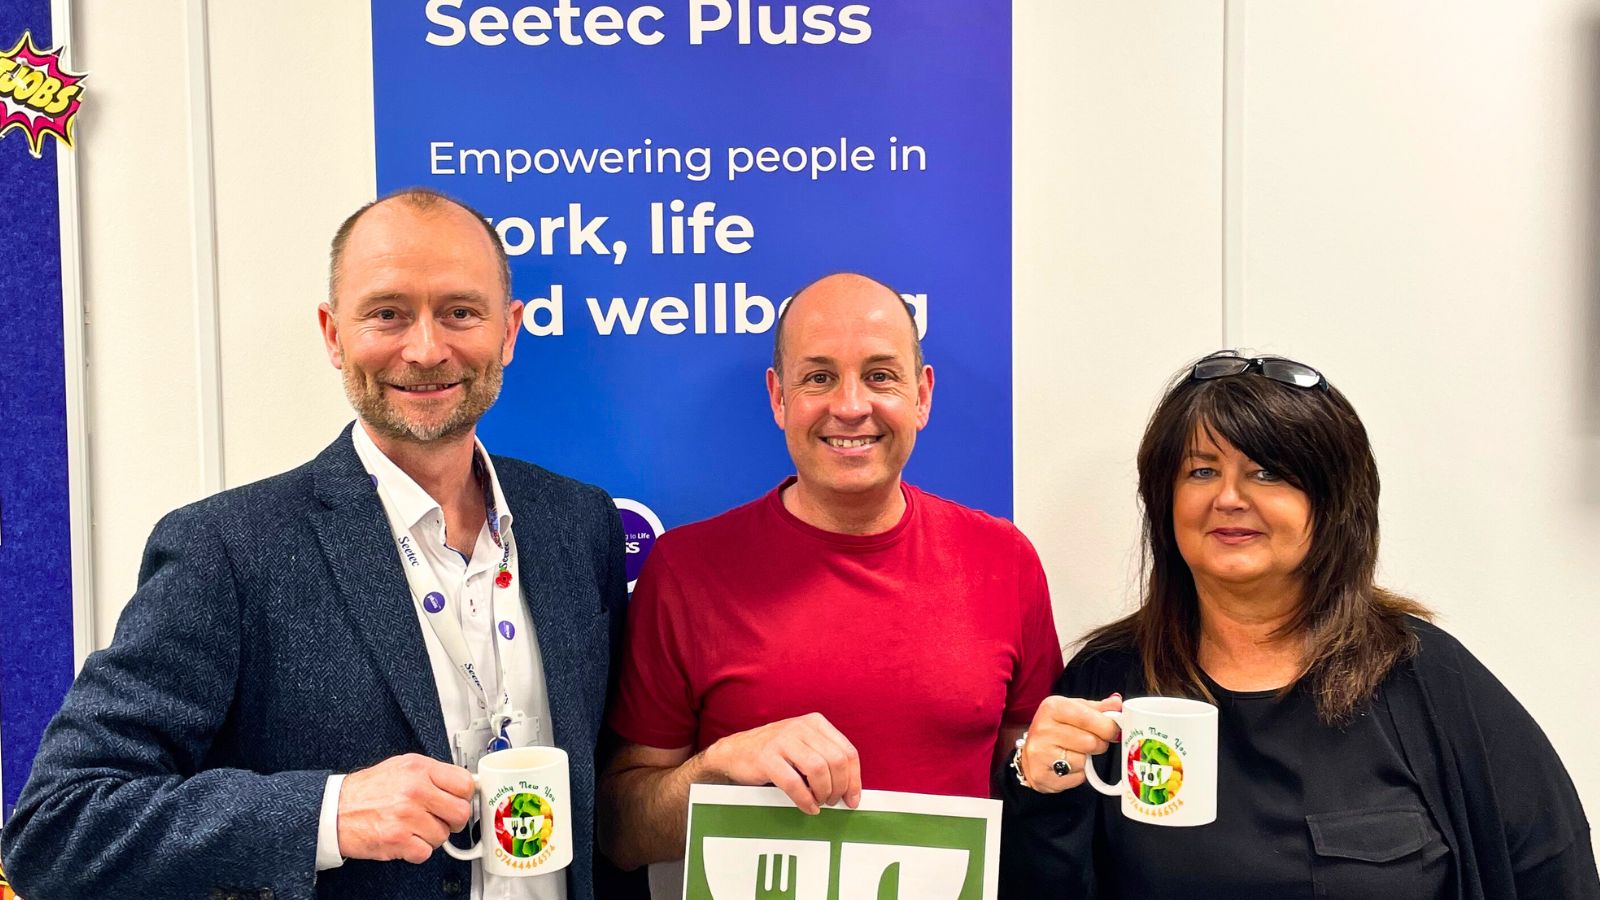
<point x="271" y="641"/>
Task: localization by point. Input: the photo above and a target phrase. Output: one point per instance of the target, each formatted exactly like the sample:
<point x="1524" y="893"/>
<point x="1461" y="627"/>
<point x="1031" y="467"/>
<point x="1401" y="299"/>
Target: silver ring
<point x="1061" y="767"/>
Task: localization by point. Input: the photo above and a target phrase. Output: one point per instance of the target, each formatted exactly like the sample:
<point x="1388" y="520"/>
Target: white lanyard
<point x="429" y="598"/>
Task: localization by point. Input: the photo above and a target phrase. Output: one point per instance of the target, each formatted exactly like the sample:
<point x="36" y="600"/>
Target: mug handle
<point x="476" y="851"/>
<point x="1092" y="776"/>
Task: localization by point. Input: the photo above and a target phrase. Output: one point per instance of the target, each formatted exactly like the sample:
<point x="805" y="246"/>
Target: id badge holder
<point x="467" y="747"/>
<point x="471" y="744"/>
<point x="523" y="730"/>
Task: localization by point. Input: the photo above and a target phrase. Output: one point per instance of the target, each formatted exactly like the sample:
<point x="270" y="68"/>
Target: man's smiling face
<point x="420" y="325"/>
<point x="851" y="397"/>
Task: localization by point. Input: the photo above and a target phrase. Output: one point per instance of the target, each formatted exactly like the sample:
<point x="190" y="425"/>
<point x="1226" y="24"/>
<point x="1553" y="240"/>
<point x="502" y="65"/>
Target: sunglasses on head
<point x="1283" y="371"/>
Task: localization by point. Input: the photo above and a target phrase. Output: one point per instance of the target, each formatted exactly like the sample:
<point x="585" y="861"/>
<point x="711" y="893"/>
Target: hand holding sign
<point x="805" y="757"/>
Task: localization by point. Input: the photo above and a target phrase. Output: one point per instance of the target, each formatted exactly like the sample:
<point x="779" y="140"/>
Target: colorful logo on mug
<point x="523" y="821"/>
<point x="1155" y="771"/>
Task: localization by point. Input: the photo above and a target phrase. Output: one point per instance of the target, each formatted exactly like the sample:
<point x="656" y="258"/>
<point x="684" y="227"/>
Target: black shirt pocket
<point x="1383" y="852"/>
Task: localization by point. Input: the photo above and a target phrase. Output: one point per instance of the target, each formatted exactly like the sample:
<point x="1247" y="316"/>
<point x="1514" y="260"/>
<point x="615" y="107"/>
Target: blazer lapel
<point x="355" y="539"/>
<point x="539" y="553"/>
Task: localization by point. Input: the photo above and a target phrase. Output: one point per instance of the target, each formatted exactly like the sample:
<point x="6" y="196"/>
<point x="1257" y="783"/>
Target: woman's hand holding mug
<point x="1065" y="731"/>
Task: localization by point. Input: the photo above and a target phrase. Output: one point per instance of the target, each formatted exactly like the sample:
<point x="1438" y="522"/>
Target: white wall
<point x="1401" y="194"/>
<point x="286" y="176"/>
<point x="137" y="284"/>
<point x="1118" y="137"/>
<point x="1420" y="218"/>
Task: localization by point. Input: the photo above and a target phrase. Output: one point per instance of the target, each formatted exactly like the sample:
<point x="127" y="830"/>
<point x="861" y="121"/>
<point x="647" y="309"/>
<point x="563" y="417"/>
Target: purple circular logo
<point x="507" y="630"/>
<point x="640" y="529"/>
<point x="433" y="601"/>
<point x="374" y="480"/>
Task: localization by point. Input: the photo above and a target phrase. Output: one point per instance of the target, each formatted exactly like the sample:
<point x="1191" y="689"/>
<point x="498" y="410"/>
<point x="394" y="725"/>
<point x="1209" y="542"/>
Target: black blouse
<point x="1442" y="728"/>
<point x="1304" y="810"/>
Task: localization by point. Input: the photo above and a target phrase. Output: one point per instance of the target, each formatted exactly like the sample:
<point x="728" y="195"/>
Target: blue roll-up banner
<point x="39" y="100"/>
<point x="666" y="174"/>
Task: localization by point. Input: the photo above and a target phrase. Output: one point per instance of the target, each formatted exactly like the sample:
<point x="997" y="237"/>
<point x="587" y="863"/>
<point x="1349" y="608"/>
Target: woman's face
<point x="1239" y="526"/>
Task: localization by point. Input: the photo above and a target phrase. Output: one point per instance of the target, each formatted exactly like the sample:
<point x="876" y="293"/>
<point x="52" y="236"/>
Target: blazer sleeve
<point x="121" y="802"/>
<point x="611" y="882"/>
<point x="613" y="581"/>
<point x="610" y="557"/>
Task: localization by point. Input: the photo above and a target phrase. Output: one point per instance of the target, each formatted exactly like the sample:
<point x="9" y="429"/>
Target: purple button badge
<point x="433" y="601"/>
<point x="507" y="630"/>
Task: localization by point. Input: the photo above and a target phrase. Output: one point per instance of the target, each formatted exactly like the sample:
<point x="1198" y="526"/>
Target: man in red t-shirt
<point x="846" y="630"/>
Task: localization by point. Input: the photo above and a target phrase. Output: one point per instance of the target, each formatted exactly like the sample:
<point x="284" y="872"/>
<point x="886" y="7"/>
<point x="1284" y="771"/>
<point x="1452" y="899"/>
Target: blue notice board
<point x="665" y="174"/>
<point x="36" y="626"/>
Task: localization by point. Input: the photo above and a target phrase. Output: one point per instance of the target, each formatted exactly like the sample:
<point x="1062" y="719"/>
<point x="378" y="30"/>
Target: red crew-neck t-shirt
<point x="916" y="643"/>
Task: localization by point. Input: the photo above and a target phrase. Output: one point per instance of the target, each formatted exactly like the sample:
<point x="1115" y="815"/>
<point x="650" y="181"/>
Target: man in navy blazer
<point x="270" y="721"/>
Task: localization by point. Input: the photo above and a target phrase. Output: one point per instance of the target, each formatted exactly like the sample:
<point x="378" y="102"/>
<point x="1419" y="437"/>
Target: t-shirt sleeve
<point x="655" y="695"/>
<point x="1039" y="659"/>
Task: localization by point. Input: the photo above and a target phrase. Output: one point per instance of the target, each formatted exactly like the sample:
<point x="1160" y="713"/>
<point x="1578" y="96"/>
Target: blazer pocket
<point x="1380" y="852"/>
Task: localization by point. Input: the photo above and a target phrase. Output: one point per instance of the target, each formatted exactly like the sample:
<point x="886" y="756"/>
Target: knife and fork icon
<point x="776" y="878"/>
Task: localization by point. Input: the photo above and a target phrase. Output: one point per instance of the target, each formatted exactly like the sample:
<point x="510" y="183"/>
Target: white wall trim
<point x="1233" y="76"/>
<point x="75" y="353"/>
<point x="203" y="202"/>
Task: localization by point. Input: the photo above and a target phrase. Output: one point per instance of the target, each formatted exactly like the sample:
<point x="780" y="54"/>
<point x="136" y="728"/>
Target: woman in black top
<point x="1362" y="752"/>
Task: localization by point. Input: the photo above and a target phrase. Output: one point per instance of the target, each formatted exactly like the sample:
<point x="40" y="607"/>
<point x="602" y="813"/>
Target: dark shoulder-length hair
<point x="1354" y="631"/>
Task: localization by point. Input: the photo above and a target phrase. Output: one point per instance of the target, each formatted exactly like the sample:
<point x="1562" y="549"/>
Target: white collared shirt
<point x="468" y="585"/>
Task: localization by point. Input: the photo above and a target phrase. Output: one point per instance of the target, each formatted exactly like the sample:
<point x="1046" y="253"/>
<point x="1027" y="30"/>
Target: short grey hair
<point x="419" y="198"/>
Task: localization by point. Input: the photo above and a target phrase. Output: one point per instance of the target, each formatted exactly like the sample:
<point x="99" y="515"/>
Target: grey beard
<point x="366" y="395"/>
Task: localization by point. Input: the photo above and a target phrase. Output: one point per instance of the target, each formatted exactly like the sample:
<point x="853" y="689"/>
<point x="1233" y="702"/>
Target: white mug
<point x="1168" y="774"/>
<point x="526" y="812"/>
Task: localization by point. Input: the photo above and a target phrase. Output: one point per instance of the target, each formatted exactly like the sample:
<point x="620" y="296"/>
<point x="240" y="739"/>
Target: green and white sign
<point x="748" y="843"/>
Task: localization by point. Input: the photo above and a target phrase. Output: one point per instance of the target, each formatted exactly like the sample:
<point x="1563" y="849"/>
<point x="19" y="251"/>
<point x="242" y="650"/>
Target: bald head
<point x="424" y="201"/>
<point x="845" y="294"/>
